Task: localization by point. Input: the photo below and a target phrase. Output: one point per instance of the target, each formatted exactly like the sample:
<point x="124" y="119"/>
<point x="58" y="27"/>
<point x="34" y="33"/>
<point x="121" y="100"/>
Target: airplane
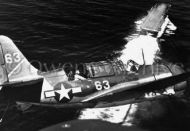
<point x="95" y="84"/>
<point x="104" y="80"/>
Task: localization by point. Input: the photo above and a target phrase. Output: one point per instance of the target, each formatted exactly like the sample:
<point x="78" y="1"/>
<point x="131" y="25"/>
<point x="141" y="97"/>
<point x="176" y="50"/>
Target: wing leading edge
<point x="145" y="85"/>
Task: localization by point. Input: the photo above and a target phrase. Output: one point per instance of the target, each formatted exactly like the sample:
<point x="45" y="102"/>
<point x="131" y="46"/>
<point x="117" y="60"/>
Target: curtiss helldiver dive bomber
<point x="95" y="84"/>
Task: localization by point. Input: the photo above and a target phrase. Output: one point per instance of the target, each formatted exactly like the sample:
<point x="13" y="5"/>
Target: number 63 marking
<point x="104" y="85"/>
<point x="10" y="58"/>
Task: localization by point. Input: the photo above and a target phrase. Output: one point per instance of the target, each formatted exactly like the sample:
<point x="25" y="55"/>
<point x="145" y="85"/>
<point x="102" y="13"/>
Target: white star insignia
<point x="63" y="92"/>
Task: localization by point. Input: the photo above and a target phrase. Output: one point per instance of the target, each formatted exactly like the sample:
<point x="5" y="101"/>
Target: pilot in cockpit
<point x="81" y="73"/>
<point x="78" y="76"/>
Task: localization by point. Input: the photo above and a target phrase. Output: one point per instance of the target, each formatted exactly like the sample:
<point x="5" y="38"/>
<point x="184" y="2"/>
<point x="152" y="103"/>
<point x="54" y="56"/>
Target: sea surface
<point x="54" y="32"/>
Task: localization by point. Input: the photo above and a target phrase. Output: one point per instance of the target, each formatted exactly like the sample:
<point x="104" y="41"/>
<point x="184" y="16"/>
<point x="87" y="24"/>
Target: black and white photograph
<point x="94" y="65"/>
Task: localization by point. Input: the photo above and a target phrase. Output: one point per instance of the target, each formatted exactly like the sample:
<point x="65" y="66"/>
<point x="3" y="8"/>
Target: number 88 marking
<point x="99" y="86"/>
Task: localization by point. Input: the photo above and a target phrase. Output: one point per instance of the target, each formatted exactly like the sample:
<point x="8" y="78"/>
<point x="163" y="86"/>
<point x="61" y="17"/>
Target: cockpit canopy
<point x="104" y="68"/>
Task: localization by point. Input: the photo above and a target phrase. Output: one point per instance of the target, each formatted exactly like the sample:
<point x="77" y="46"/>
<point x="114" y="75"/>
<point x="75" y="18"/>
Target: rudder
<point x="14" y="66"/>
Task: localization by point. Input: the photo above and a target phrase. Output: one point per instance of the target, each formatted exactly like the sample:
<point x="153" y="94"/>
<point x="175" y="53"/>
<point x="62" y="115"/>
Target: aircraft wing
<point x="125" y="93"/>
<point x="145" y="85"/>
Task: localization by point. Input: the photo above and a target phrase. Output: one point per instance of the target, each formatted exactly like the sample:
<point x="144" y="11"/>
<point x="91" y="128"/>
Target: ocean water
<point x="83" y="31"/>
<point x="58" y="31"/>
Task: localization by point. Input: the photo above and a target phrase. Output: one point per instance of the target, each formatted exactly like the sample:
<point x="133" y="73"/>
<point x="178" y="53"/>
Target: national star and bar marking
<point x="63" y="92"/>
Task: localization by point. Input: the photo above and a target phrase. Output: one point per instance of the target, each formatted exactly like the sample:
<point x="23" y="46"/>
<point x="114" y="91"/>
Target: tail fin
<point x="13" y="65"/>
